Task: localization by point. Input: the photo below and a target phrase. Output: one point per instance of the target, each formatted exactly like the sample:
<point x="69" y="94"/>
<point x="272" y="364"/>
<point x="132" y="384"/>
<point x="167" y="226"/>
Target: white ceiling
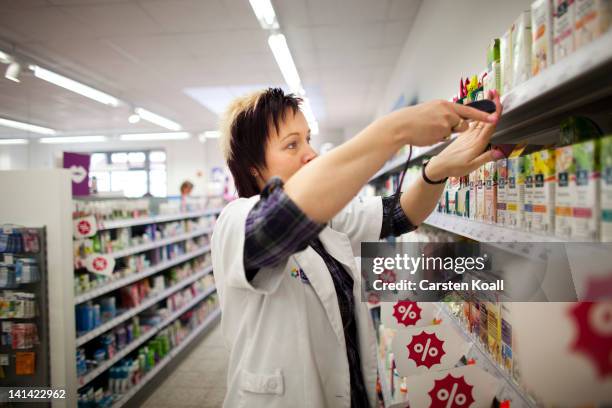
<point x="148" y="52"/>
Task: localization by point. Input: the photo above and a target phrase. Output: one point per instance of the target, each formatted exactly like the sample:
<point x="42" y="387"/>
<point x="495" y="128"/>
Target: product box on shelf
<point x="472" y="180"/>
<point x="528" y="176"/>
<point x="501" y="168"/>
<point x="490" y="193"/>
<point x="461" y="196"/>
<point x="492" y="79"/>
<point x="480" y="194"/>
<point x="586" y="199"/>
<point x="563" y="24"/>
<point x="542" y="35"/>
<point x="543" y="210"/>
<point x="521" y="49"/>
<point x="592" y="20"/>
<point x="606" y="189"/>
<point x="452" y="192"/>
<point x="494" y="329"/>
<point x="515" y="191"/>
<point x="505" y="52"/>
<point x="506" y="337"/>
<point x="566" y="183"/>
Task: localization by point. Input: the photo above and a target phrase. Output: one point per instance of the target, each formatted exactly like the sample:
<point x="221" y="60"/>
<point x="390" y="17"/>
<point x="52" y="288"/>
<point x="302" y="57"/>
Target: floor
<point x="200" y="379"/>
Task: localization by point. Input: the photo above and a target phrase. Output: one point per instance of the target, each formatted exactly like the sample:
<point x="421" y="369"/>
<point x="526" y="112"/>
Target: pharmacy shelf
<point x="131" y="222"/>
<point x="577" y="80"/>
<point x="84" y="338"/>
<point x="483" y="232"/>
<point x="511" y="390"/>
<point x="211" y="319"/>
<point x="386" y="388"/>
<point x="114" y="285"/>
<point x="159" y="243"/>
<point x="87" y="378"/>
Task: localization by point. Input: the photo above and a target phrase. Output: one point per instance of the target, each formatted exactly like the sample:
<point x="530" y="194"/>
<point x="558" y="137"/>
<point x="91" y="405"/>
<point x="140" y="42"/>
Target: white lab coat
<point x="286" y="335"/>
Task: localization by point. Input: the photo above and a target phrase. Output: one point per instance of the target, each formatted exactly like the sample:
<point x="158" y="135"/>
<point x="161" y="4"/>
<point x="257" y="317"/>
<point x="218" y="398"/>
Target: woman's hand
<point x="466" y="153"/>
<point x="431" y="122"/>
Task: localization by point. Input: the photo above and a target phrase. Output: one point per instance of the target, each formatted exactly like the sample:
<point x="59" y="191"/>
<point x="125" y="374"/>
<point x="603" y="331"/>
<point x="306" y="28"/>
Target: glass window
<point x="137" y="158"/>
<point x="119" y="158"/>
<point x="102" y="180"/>
<point x="158" y="183"/>
<point x="157" y="157"/>
<point x="98" y="161"/>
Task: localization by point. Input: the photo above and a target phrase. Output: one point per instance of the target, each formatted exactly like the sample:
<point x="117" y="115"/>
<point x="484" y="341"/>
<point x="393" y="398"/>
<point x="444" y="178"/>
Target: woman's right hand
<point x="431" y="122"/>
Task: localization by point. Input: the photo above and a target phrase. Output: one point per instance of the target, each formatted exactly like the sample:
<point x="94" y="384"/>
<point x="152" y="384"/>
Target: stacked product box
<point x="501" y="168"/>
<point x="543" y="209"/>
<point x="521" y="49"/>
<point x="515" y="190"/>
<point x="564" y="164"/>
<point x="542" y="35"/>
<point x="586" y="197"/>
<point x="606" y="189"/>
<point x="563" y="28"/>
<point x="527" y="175"/>
<point x="592" y="20"/>
<point x="490" y="192"/>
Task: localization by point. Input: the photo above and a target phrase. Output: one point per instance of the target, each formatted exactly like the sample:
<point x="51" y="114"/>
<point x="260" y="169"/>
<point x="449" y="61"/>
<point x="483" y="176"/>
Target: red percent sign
<point x="99" y="264"/>
<point x="407" y="313"/>
<point x="84" y="227"/>
<point x="451" y="392"/>
<point x="593" y="322"/>
<point x="426" y="349"/>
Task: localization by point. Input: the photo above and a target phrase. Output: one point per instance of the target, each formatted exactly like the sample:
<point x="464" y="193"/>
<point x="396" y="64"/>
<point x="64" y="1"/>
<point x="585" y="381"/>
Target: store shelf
<point x="511" y="390"/>
<point x="162" y="363"/>
<point x="483" y="232"/>
<point x="114" y="285"/>
<point x="86" y="379"/>
<point x="159" y="243"/>
<point x="539" y="103"/>
<point x="143" y="306"/>
<point x="131" y="222"/>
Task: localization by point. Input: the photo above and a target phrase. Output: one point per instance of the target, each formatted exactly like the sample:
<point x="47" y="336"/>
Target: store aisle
<point x="200" y="379"/>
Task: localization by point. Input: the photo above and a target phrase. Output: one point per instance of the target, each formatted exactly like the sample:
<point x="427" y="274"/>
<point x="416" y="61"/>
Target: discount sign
<point x="407" y="313"/>
<point x="84" y="227"/>
<point x="451" y="392"/>
<point x="426" y="349"/>
<point x="100" y="264"/>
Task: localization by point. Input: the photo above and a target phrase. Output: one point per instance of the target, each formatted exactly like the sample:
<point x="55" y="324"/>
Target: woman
<point x="283" y="253"/>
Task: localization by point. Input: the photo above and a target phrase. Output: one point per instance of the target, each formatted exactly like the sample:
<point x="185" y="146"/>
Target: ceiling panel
<point x="149" y="52"/>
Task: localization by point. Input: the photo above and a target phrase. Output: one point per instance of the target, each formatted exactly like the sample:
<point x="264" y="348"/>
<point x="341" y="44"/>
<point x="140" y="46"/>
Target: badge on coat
<point x="299" y="273"/>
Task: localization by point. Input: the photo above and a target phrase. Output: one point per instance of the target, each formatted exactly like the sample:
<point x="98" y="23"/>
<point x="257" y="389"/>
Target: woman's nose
<point x="311" y="154"/>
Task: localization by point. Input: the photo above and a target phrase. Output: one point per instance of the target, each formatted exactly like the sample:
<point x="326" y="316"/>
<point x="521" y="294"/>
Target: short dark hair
<point x="246" y="132"/>
<point x="186" y="185"/>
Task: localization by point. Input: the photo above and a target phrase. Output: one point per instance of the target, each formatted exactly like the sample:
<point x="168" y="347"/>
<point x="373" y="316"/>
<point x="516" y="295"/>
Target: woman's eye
<point x="292" y="145"/>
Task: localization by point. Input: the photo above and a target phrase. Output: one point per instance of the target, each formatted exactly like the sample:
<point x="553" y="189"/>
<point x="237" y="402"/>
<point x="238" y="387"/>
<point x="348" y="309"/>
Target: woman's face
<point x="289" y="149"/>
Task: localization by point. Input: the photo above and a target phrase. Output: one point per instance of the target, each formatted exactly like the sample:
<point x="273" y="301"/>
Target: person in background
<point x="186" y="189"/>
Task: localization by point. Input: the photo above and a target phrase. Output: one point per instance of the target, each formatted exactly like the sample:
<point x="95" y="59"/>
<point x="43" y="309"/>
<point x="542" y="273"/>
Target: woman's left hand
<point x="465" y="153"/>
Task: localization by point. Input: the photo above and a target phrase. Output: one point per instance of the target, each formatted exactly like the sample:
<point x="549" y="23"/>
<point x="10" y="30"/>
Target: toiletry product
<point x="521" y="49"/>
<point x="543" y="210"/>
<point x="542" y="35"/>
<point x="563" y="25"/>
<point x="566" y="183"/>
<point x="606" y="189"/>
<point x="592" y="20"/>
<point x="585" y="203"/>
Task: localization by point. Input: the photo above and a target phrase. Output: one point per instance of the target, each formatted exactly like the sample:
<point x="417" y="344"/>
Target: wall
<point x="448" y="40"/>
<point x="186" y="158"/>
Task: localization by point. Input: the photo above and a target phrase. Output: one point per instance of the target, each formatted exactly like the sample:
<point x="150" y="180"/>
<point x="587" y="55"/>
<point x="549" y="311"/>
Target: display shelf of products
<point x="575" y="80"/>
<point x="87" y="378"/>
<point x="84" y="338"/>
<point x="511" y="391"/>
<point x="159" y="243"/>
<point x="114" y="285"/>
<point x="483" y="232"/>
<point x="131" y="222"/>
<point x="164" y="362"/>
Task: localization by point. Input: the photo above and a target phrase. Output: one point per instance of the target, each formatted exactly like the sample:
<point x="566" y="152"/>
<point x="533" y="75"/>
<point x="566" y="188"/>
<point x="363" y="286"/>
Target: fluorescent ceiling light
<point x="13" y="71"/>
<point x="212" y="134"/>
<point x="72" y="139"/>
<point x="155" y="136"/>
<point x="26" y="126"/>
<point x="158" y="120"/>
<point x="310" y="118"/>
<point x="134" y="118"/>
<point x="265" y="14"/>
<point x="278" y="45"/>
<point x="74" y="86"/>
<point x="5" y="58"/>
<point x="13" y="141"/>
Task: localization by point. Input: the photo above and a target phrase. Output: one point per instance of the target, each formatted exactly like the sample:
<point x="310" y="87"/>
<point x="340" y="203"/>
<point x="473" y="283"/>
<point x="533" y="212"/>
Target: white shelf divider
<point x="87" y="378"/>
<point x="84" y="338"/>
<point x="131" y="222"/>
<point x="116" y="284"/>
<point x="161" y="364"/>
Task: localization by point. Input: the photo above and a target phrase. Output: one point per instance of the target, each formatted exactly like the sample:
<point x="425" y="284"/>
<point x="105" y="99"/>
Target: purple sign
<point x="78" y="164"/>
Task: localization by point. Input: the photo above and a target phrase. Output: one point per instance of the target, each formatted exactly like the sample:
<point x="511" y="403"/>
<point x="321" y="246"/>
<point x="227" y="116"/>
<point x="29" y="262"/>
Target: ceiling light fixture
<point x="134" y="118"/>
<point x="74" y="86"/>
<point x="310" y="118"/>
<point x="265" y="14"/>
<point x="155" y="136"/>
<point x="158" y="120"/>
<point x="27" y="127"/>
<point x="278" y="45"/>
<point x="14" y="141"/>
<point x="13" y="71"/>
<point x="5" y="58"/>
<point x="72" y="139"/>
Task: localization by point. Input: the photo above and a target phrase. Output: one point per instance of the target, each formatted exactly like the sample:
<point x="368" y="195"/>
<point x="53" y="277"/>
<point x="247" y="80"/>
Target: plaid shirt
<point x="276" y="229"/>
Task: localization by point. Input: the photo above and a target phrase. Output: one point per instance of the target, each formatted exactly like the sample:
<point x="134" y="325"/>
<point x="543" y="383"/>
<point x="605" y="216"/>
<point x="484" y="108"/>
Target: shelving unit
<point x="84" y="338"/>
<point x="131" y="222"/>
<point x="164" y="362"/>
<point x="579" y="84"/>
